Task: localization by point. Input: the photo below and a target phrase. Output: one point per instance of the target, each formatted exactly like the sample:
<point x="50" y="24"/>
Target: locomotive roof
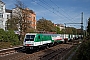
<point x="31" y="33"/>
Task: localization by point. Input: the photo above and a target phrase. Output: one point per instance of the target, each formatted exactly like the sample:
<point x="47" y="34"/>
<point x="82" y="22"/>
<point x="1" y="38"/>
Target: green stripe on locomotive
<point x="43" y="37"/>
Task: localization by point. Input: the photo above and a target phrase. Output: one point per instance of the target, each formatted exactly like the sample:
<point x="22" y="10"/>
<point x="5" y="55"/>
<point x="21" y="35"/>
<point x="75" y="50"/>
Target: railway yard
<point x="57" y="52"/>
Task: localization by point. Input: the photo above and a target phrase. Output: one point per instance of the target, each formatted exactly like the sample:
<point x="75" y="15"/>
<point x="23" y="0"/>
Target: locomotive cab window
<point x="30" y="37"/>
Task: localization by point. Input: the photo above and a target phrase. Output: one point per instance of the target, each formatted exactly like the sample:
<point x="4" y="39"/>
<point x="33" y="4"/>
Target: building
<point x="4" y="15"/>
<point x="61" y="26"/>
<point x="29" y="17"/>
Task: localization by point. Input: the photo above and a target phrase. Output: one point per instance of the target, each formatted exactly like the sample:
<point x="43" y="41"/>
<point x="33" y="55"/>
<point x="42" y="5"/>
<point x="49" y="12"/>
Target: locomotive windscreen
<point x="29" y="38"/>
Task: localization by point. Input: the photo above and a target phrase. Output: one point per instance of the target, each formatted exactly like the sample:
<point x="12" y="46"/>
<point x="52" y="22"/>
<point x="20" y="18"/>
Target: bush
<point x="84" y="51"/>
<point x="2" y="32"/>
<point x="9" y="36"/>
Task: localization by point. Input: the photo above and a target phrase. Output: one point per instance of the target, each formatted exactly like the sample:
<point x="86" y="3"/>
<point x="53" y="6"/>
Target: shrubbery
<point x="9" y="36"/>
<point x="83" y="52"/>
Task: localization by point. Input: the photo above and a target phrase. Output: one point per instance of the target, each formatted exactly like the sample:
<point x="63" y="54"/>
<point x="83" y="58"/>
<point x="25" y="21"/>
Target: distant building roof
<point x="31" y="11"/>
<point x="61" y="25"/>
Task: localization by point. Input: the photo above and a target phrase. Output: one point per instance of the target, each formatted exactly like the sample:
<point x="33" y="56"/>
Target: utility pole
<point x="82" y="24"/>
<point x="82" y="32"/>
<point x="86" y="26"/>
<point x="65" y="30"/>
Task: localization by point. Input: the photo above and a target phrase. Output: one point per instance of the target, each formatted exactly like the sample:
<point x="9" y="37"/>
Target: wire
<point x="53" y="9"/>
<point x="57" y="11"/>
<point x="46" y="8"/>
<point x="61" y="9"/>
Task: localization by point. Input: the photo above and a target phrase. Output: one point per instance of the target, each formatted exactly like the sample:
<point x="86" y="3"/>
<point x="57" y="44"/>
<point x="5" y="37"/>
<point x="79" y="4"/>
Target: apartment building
<point x="4" y="15"/>
<point x="29" y="20"/>
<point x="61" y="26"/>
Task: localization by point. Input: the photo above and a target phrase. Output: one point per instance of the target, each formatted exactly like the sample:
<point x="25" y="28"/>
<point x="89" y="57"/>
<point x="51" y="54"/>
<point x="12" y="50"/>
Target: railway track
<point x="51" y="53"/>
<point x="8" y="51"/>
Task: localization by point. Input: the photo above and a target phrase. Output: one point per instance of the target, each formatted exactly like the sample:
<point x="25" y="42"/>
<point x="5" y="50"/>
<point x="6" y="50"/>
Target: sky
<point x="58" y="11"/>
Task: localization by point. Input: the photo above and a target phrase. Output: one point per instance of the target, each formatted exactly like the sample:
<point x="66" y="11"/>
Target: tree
<point x="58" y="30"/>
<point x="12" y="24"/>
<point x="45" y="25"/>
<point x="88" y="27"/>
<point x="69" y="30"/>
<point x="21" y="14"/>
<point x="9" y="36"/>
<point x="79" y="31"/>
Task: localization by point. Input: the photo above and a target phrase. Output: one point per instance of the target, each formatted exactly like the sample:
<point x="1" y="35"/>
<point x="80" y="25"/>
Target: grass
<point x="5" y="45"/>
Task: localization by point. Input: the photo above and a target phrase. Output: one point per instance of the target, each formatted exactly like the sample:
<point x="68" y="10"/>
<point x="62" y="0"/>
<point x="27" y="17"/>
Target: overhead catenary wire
<point x="46" y="8"/>
<point x="57" y="11"/>
<point x="53" y="10"/>
<point x="63" y="10"/>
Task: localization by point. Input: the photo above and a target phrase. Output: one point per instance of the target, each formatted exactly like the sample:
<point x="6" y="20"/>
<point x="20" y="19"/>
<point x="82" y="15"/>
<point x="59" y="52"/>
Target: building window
<point x="34" y="18"/>
<point x="7" y="16"/>
<point x="1" y="15"/>
<point x="1" y="22"/>
<point x="1" y="7"/>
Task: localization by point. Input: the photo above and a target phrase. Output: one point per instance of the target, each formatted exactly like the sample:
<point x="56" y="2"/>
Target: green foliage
<point x="84" y="51"/>
<point x="58" y="30"/>
<point x="1" y="34"/>
<point x="9" y="36"/>
<point x="71" y="30"/>
<point x="45" y="25"/>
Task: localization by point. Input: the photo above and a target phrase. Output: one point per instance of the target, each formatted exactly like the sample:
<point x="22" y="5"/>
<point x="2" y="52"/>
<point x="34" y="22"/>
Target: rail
<point x="4" y="52"/>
